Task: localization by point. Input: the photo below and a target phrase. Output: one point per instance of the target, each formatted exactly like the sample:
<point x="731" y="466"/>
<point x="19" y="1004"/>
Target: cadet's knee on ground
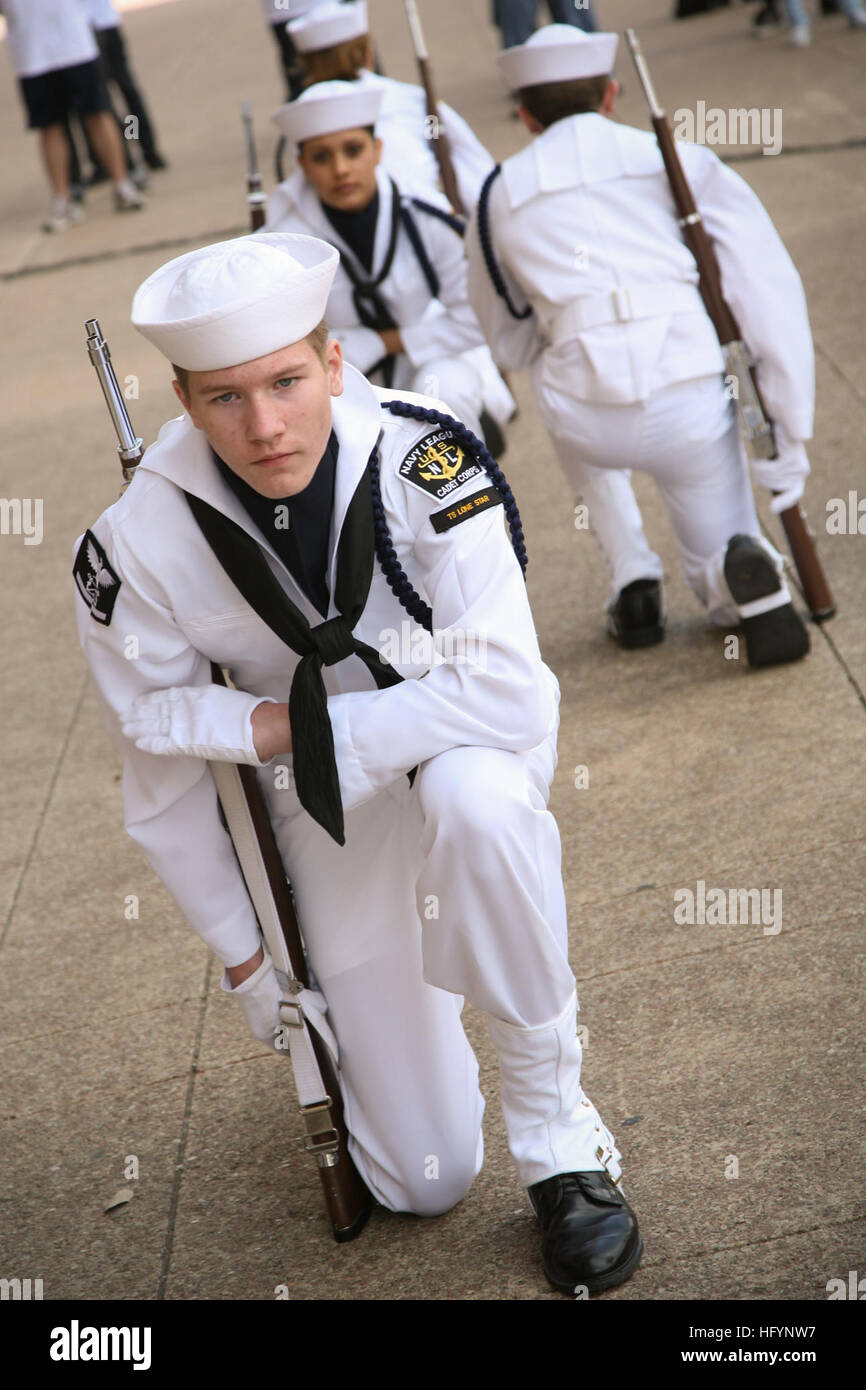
<point x="440" y="1182"/>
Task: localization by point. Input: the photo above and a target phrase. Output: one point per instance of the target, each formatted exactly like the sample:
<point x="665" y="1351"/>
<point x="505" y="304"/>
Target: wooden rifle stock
<point x="816" y="589"/>
<point x="347" y="1199"/>
<point x="440" y="140"/>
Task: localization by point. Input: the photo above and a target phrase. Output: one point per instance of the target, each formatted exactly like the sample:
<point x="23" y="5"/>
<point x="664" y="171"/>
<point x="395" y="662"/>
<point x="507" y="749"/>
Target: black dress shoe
<point x="778" y="635"/>
<point x="154" y="160"/>
<point x="492" y="435"/>
<point x="589" y="1233"/>
<point x="636" y="619"/>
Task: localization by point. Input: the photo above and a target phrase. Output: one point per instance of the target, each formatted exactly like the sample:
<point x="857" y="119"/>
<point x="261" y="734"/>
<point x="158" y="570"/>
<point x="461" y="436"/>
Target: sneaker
<point x="127" y="197"/>
<point x="857" y="18"/>
<point x="799" y="37"/>
<point x="139" y="177"/>
<point x="63" y="213"/>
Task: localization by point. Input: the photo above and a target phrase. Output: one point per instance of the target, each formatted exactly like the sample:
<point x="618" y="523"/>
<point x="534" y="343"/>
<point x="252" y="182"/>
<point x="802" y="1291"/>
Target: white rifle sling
<point x="300" y="1005"/>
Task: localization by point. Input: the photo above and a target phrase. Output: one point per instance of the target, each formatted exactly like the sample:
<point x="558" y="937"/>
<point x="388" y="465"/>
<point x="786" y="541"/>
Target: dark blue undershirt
<point x="358" y="229"/>
<point x="302" y="545"/>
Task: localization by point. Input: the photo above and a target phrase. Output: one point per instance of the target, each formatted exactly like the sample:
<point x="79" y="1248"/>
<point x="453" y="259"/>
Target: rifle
<point x="755" y="426"/>
<point x="440" y="139"/>
<point x="256" y="196"/>
<point x="347" y="1199"/>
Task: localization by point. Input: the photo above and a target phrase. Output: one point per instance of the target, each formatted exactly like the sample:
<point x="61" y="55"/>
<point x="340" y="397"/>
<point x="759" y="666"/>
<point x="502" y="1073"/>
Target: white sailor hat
<point x="558" y="53"/>
<point x="328" y="25"/>
<point x="236" y="300"/>
<point x="328" y="107"/>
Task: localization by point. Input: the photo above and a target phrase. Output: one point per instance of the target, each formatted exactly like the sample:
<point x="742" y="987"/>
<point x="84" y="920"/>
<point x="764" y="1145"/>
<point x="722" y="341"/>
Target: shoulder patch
<point x="466" y="507"/>
<point x="439" y="465"/>
<point x="96" y="581"/>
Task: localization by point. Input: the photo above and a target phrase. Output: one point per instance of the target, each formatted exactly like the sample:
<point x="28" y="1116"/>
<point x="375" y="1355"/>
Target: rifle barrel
<point x="129" y="444"/>
<point x="441" y="147"/>
<point x="643" y="73"/>
<point x="417" y="32"/>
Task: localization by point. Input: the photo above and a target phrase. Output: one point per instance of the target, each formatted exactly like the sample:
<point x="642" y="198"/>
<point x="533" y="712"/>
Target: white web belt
<point x="622" y="305"/>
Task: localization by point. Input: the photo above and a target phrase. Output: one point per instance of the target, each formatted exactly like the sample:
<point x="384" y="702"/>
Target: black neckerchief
<point x="302" y="544"/>
<point x="357" y="228"/>
<point x="369" y="304"/>
<point x="245" y="563"/>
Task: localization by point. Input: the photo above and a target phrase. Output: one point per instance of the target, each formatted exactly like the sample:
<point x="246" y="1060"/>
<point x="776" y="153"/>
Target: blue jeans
<point x="516" y="18"/>
<point x="796" y="11"/>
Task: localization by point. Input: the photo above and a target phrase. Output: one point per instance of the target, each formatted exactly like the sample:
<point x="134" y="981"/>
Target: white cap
<point x="236" y="300"/>
<point x="328" y="107"/>
<point x="558" y="53"/>
<point x="328" y="25"/>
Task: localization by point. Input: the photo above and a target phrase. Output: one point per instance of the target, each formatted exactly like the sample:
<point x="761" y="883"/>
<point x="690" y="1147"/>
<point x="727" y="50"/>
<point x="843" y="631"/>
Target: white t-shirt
<point x="46" y="34"/>
<point x="102" y="14"/>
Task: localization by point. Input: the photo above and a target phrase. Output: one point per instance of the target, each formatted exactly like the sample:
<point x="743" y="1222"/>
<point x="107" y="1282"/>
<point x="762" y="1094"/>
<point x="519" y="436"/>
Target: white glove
<point x="201" y="721"/>
<point x="786" y="474"/>
<point x="259" y="997"/>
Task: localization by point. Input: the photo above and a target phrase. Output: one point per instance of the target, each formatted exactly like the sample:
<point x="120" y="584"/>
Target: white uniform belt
<point x="622" y="305"/>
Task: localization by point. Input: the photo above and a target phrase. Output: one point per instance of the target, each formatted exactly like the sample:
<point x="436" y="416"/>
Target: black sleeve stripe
<point x="466" y="507"/>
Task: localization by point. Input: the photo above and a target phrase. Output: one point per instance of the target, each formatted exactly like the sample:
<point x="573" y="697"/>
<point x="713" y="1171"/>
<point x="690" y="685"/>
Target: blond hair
<point x="318" y="340"/>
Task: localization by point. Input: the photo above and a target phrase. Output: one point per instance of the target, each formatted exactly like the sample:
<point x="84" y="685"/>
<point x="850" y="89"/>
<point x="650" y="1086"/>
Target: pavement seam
<point x="692" y="955"/>
<point x="41" y="817"/>
<point x="821" y="351"/>
<point x="585" y="905"/>
<point x="846" y="668"/>
<point x="122" y="253"/>
<point x="748" y="1244"/>
<point x="184" y="1135"/>
<point x="853" y="142"/>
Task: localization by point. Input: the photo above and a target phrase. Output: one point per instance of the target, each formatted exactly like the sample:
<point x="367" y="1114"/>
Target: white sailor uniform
<point x="627" y="368"/>
<point x="406" y="130"/>
<point x="428" y="301"/>
<point x="445" y="888"/>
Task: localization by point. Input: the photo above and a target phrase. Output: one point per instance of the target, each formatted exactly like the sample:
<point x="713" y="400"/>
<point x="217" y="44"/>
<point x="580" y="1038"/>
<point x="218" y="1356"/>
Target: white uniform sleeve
<point x="458" y="329"/>
<point x="361" y="347"/>
<point x="765" y="292"/>
<point x="514" y="343"/>
<point x="498" y="695"/>
<point x="170" y="803"/>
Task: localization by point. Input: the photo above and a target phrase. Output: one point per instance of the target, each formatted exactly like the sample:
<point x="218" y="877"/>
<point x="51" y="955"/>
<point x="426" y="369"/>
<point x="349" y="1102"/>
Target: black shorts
<point x="51" y="96"/>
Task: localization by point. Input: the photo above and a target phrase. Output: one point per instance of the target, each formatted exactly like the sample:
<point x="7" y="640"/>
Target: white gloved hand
<point x="785" y="475"/>
<point x="200" y="721"/>
<point x="259" y="997"/>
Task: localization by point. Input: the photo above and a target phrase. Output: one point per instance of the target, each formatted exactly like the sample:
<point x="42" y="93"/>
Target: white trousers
<point x="455" y="380"/>
<point x="686" y="437"/>
<point x="446" y="889"/>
